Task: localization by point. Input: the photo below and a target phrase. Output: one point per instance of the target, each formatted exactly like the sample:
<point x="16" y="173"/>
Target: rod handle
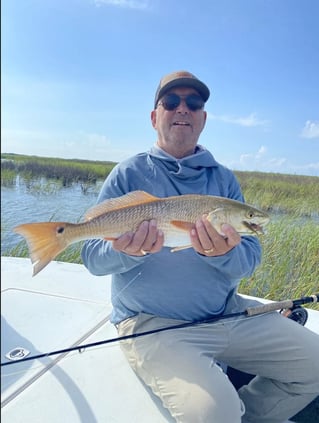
<point x="266" y="308"/>
<point x="278" y="305"/>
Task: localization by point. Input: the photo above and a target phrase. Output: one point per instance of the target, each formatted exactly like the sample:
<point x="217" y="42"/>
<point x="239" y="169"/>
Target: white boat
<point x="65" y="307"/>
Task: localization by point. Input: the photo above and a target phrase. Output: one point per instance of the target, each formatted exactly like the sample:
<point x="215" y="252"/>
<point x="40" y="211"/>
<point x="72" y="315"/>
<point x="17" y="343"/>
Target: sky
<point x="78" y="77"/>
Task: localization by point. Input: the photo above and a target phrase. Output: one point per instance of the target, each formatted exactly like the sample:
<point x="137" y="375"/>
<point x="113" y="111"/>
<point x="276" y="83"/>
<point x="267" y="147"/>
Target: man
<point x="152" y="288"/>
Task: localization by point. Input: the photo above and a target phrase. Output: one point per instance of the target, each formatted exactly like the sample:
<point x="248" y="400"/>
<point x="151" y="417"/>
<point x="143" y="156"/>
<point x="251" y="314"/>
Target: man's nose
<point x="182" y="107"/>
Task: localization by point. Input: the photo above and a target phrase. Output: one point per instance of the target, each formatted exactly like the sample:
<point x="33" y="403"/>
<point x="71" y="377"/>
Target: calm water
<point x="41" y="201"/>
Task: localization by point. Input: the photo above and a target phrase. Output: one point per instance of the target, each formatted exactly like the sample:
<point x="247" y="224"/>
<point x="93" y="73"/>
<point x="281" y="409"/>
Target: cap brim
<point x="201" y="88"/>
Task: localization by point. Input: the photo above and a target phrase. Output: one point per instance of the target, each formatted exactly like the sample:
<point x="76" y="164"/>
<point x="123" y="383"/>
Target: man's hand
<point x="208" y="242"/>
<point x="147" y="239"/>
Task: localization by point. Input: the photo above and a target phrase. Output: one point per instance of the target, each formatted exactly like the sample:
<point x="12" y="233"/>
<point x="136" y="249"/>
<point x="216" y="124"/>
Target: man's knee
<point x="200" y="406"/>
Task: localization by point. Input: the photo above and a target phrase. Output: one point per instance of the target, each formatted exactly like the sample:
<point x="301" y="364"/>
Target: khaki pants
<point x="180" y="366"/>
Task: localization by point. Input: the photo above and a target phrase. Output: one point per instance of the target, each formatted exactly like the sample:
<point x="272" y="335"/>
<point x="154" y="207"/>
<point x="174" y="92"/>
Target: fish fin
<point x="128" y="200"/>
<point x="180" y="224"/>
<point x="216" y="211"/>
<point x="183" y="247"/>
<point x="45" y="241"/>
<point x="217" y="218"/>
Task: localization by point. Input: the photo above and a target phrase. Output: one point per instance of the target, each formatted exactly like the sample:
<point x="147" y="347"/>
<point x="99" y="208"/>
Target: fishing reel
<point x="296" y="313"/>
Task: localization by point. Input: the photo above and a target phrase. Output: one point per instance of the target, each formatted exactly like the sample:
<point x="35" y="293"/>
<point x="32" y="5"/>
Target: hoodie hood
<point x="189" y="167"/>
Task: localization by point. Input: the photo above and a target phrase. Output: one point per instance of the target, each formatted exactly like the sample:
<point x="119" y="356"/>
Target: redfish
<point x="175" y="216"/>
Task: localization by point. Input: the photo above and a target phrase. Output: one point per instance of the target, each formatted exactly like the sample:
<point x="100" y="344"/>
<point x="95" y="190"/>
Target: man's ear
<point x="153" y="118"/>
<point x="205" y="117"/>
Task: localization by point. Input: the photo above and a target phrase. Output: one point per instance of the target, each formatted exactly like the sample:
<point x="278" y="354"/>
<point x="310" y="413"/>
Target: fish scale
<point x="175" y="216"/>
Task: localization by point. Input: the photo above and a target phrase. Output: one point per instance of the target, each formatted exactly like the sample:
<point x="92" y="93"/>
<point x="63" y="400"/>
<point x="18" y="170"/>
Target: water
<point x="40" y="201"/>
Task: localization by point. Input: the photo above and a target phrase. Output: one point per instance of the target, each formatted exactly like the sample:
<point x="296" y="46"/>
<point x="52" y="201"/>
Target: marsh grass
<point x="289" y="267"/>
<point x="273" y="192"/>
<point x="65" y="170"/>
<point x="290" y="263"/>
<point x="8" y="177"/>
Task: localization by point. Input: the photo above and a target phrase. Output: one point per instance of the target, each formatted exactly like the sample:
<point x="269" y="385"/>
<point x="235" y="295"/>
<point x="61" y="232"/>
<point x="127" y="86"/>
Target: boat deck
<point x="65" y="306"/>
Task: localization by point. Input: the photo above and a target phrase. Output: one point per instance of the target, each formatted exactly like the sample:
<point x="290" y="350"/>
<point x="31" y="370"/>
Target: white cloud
<point x="308" y="169"/>
<point x="276" y="163"/>
<point x="261" y="161"/>
<point x="128" y="4"/>
<point x="310" y="130"/>
<point x="253" y="158"/>
<point x="69" y="145"/>
<point x="261" y="152"/>
<point x="247" y="121"/>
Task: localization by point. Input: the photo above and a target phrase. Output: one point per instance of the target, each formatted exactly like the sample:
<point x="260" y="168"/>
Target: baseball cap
<point x="181" y="79"/>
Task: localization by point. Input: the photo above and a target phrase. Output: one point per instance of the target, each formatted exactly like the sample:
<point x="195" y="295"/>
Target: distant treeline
<point x="277" y="192"/>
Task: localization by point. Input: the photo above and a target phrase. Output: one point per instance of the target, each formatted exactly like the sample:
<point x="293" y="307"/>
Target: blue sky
<point x="79" y="77"/>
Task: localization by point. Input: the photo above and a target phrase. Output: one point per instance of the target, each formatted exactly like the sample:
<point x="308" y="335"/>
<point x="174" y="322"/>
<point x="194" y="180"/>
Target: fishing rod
<point x="286" y="307"/>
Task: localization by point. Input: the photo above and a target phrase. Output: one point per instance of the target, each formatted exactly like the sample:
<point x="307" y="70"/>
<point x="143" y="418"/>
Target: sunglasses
<point x="172" y="101"/>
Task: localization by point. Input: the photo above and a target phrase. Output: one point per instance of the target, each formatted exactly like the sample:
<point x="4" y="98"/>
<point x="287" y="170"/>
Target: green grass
<point x="8" y="177"/>
<point x="275" y="192"/>
<point x="65" y="170"/>
<point x="289" y="267"/>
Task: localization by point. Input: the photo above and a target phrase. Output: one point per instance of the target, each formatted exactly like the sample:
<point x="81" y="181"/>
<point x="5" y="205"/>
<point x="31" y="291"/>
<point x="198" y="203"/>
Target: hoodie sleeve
<point x="98" y="255"/>
<point x="241" y="261"/>
<point x="100" y="259"/>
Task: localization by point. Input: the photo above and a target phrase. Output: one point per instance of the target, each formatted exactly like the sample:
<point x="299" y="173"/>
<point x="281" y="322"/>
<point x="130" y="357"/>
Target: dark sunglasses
<point x="172" y="101"/>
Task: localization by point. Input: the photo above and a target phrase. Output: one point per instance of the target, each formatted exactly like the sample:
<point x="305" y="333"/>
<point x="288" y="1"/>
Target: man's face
<point x="178" y="129"/>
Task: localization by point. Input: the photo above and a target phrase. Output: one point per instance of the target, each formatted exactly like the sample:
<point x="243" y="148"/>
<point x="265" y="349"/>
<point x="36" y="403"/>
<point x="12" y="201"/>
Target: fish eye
<point x="250" y="214"/>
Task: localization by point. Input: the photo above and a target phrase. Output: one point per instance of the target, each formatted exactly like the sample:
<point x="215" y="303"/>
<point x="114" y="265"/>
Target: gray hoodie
<point x="183" y="285"/>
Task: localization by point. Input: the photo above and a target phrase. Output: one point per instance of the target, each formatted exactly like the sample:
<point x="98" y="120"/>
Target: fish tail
<point x="45" y="241"/>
